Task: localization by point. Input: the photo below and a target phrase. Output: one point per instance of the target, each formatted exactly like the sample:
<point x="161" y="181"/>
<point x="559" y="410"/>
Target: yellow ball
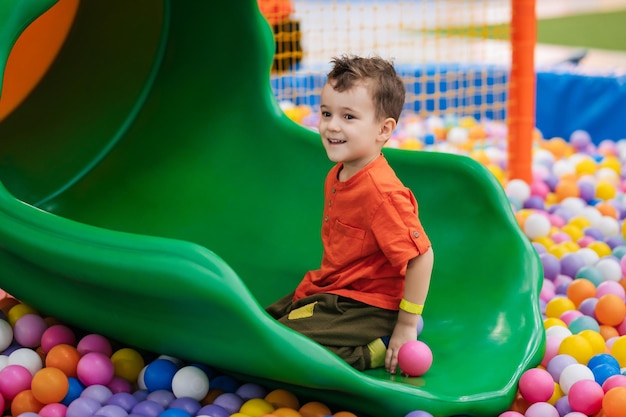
<point x="127" y="364"/>
<point x="545" y="241"/>
<point x="605" y="190"/>
<point x="577" y="347"/>
<point x="411" y="145"/>
<point x="497" y="172"/>
<point x="573" y="231"/>
<point x="613" y="163"/>
<point x="601" y="248"/>
<point x="571" y="246"/>
<point x="586" y="166"/>
<point x="17" y="311"/>
<point x="558" y="250"/>
<point x="559" y="305"/>
<point x="596" y="341"/>
<point x="256" y="407"/>
<point x="618" y="350"/>
<point x="553" y="321"/>
<point x="557" y="394"/>
<point x="579" y="221"/>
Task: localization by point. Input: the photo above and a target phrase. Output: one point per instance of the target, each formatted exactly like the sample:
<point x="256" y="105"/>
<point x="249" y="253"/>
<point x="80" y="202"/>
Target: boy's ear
<point x="387" y="128"/>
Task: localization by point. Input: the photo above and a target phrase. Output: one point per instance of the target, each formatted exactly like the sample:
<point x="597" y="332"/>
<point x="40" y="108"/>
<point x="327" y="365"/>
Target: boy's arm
<point x="417" y="281"/>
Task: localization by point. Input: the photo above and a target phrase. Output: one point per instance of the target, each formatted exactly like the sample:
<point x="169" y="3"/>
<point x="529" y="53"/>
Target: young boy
<point x="364" y="301"/>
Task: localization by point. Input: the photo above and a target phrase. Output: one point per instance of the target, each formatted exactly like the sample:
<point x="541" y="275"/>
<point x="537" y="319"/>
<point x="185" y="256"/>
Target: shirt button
<point x="326" y="218"/>
<point x="416" y="234"/>
<point x="333" y="190"/>
<point x="330" y="203"/>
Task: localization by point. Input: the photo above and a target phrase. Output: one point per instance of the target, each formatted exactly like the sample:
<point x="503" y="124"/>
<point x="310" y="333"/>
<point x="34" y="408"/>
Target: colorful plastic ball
<point x="558" y="363"/>
<point x="127" y="363"/>
<point x="314" y="409"/>
<point x="551" y="265"/>
<point x="94" y="343"/>
<point x="536" y="225"/>
<point x="162" y="396"/>
<point x="536" y="385"/>
<point x="610" y="310"/>
<point x="95" y="368"/>
<point x="176" y="412"/>
<point x="577" y="347"/>
<point x="618" y="350"/>
<point x="53" y="410"/>
<point x="99" y="393"/>
<point x="49" y="385"/>
<point x="256" y="407"/>
<point x="585" y="396"/>
<point x="225" y="383"/>
<point x="147" y="408"/>
<point x="415" y="358"/>
<point x="611" y="287"/>
<point x="212" y="410"/>
<point x="159" y="375"/>
<point x="541" y="410"/>
<point x="123" y="399"/>
<point x="590" y="273"/>
<point x="552" y="349"/>
<point x="55" y="335"/>
<point x="603" y="372"/>
<point x="581" y="323"/>
<point x="572" y="374"/>
<point x="614" y="381"/>
<point x="614" y="402"/>
<point x="25" y="402"/>
<point x="229" y="401"/>
<point x="596" y="341"/>
<point x="559" y="305"/>
<point x="82" y="406"/>
<point x="6" y="335"/>
<point x="189" y="405"/>
<point x="282" y="398"/>
<point x="517" y="188"/>
<point x="588" y="307"/>
<point x="111" y="411"/>
<point x="63" y="357"/>
<point x="190" y="381"/>
<point x="13" y="380"/>
<point x="28" y="329"/>
<point x="17" y="311"/>
<point x="579" y="290"/>
<point x="610" y="269"/>
<point x="251" y="390"/>
<point x="119" y="384"/>
<point x="75" y="389"/>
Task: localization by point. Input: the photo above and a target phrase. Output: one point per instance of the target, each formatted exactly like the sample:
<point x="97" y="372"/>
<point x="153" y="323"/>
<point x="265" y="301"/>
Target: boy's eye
<point x="325" y="114"/>
<point x="349" y="116"/>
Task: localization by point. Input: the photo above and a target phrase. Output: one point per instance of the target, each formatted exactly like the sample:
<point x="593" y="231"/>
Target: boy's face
<point x="348" y="127"/>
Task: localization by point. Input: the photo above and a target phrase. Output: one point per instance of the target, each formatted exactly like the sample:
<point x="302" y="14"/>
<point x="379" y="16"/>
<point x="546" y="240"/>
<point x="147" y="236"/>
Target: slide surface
<point x="152" y="191"/>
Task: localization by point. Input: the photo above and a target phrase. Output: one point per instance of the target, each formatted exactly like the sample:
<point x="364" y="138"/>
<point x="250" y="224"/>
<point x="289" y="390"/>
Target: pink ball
<point x="570" y="315"/>
<point x="552" y="349"/>
<point x="95" y="368"/>
<point x="415" y="358"/>
<point x="511" y="414"/>
<point x="53" y="410"/>
<point x="28" y="330"/>
<point x="57" y="335"/>
<point x="586" y="396"/>
<point x="13" y="380"/>
<point x="119" y="384"/>
<point x="610" y="287"/>
<point x="542" y="410"/>
<point x="94" y="343"/>
<point x="614" y="381"/>
<point x="536" y="385"/>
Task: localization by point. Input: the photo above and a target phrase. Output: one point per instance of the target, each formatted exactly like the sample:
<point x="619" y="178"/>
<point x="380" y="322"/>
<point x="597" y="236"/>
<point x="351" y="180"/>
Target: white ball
<point x="563" y="167"/>
<point x="190" y="381"/>
<point x="610" y="268"/>
<point x="6" y="335"/>
<point x="4" y="361"/>
<point x="572" y="374"/>
<point x="592" y="214"/>
<point x="575" y="204"/>
<point x="26" y="357"/>
<point x="141" y="382"/>
<point x="536" y="225"/>
<point x="608" y="226"/>
<point x="457" y="135"/>
<point x="558" y="332"/>
<point x="589" y="256"/>
<point x="518" y="188"/>
<point x="543" y="157"/>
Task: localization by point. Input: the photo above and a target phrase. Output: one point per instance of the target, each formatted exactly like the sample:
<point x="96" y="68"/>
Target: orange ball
<point x="344" y="414"/>
<point x="614" y="402"/>
<point x="49" y="385"/>
<point x="281" y="398"/>
<point x="315" y="409"/>
<point x="286" y="412"/>
<point x="608" y="332"/>
<point x="607" y="209"/>
<point x="565" y="189"/>
<point x="25" y="402"/>
<point x="580" y="289"/>
<point x="610" y="310"/>
<point x="64" y="357"/>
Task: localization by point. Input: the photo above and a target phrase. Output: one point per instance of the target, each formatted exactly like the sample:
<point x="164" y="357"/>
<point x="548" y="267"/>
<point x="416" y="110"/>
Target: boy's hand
<point x="402" y="333"/>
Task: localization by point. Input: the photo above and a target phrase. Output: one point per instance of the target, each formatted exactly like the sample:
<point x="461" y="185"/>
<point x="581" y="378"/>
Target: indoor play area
<point x="143" y="148"/>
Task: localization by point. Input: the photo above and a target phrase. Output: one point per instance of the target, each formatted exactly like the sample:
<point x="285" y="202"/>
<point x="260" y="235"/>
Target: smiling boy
<point x="364" y="301"/>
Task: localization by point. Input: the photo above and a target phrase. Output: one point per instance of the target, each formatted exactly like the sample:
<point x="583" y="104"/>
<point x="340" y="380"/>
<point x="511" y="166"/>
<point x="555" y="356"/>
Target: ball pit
<point x="573" y="212"/>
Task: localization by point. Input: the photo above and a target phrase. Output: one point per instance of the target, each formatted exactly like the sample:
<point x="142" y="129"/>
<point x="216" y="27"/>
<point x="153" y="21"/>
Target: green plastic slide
<point x="153" y="191"/>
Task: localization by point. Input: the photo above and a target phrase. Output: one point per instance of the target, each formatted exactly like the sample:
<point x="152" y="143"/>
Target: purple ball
<point x="587" y="190"/>
<point x="551" y="266"/>
<point x="99" y="393"/>
<point x="148" y="408"/>
<point x="593" y="232"/>
<point x="614" y="241"/>
<point x="213" y="410"/>
<point x="580" y="139"/>
<point x="534" y="202"/>
<point x="539" y="248"/>
<point x="28" y="330"/>
<point x="564" y="213"/>
<point x="161" y="396"/>
<point x="551" y="181"/>
<point x="82" y="407"/>
<point x="141" y="394"/>
<point x="419" y="413"/>
<point x="558" y="363"/>
<point x="570" y="264"/>
<point x="250" y="390"/>
<point x="229" y="401"/>
<point x="562" y="406"/>
<point x="189" y="405"/>
<point x="588" y="307"/>
<point x="112" y="411"/>
<point x="125" y="400"/>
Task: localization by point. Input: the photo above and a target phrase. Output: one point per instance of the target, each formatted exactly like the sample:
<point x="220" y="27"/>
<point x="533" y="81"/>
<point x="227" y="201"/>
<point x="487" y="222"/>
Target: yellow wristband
<point x="410" y="307"/>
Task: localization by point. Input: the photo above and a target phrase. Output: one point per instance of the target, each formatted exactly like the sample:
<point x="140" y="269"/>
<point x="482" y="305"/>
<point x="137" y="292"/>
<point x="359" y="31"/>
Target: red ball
<point x="415" y="358"/>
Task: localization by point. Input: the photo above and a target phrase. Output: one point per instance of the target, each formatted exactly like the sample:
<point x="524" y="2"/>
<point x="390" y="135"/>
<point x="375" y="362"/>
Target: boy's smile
<point x="349" y="129"/>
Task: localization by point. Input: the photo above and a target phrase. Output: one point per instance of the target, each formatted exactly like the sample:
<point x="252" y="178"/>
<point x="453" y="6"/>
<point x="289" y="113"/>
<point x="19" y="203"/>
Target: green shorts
<point x="342" y="325"/>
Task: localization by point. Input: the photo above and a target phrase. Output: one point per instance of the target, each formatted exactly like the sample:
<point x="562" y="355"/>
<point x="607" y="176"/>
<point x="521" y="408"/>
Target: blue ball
<point x="73" y="392"/>
<point x="159" y="374"/>
<point x="603" y="372"/>
<point x="174" y="412"/>
<point x="603" y="358"/>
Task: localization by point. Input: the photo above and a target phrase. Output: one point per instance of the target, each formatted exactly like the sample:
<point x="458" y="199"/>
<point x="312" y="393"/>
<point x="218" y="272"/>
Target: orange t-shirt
<point x="370" y="231"/>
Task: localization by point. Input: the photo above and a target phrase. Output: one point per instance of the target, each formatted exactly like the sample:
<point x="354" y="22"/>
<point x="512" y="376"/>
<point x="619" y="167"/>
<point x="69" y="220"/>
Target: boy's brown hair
<point x="380" y="78"/>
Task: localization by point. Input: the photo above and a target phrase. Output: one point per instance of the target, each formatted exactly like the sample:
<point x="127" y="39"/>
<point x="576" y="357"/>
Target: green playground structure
<point x="153" y="191"/>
